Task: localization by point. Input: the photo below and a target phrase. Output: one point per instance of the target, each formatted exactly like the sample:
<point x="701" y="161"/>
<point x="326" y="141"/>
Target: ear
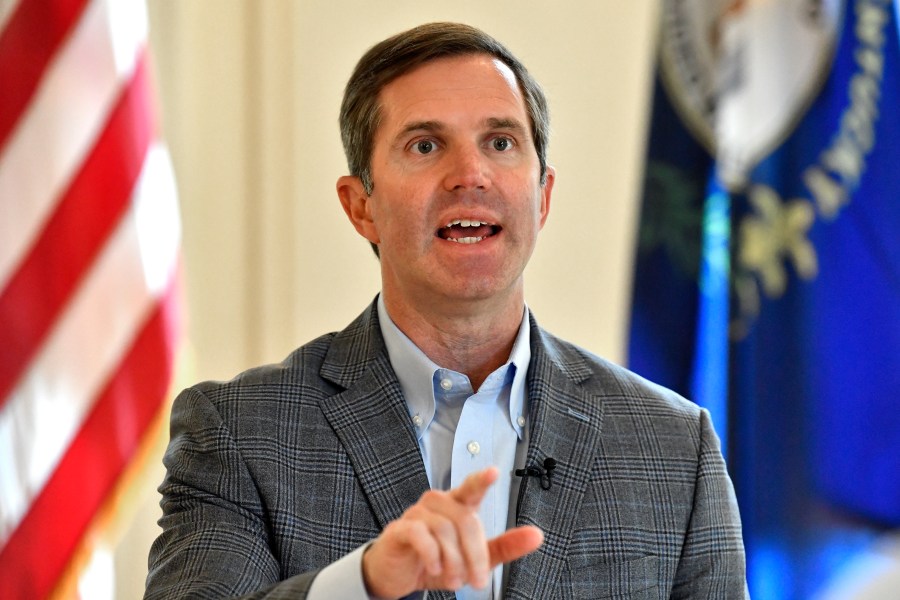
<point x="546" y="192"/>
<point x="357" y="205"/>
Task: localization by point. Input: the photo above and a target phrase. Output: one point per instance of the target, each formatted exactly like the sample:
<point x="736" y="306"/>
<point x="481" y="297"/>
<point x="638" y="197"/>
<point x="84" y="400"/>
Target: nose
<point x="467" y="169"/>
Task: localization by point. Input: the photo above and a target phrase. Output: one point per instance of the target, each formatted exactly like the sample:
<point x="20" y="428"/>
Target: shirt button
<point x="521" y="421"/>
<point x="473" y="447"/>
<point x="417" y="421"/>
<point x="446" y="384"/>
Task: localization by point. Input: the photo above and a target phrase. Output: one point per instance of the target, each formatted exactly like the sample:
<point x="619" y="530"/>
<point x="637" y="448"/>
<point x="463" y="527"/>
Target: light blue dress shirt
<point x="460" y="431"/>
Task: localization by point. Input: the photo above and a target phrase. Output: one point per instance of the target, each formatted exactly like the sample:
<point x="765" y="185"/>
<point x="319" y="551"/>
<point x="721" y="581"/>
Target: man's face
<point x="457" y="201"/>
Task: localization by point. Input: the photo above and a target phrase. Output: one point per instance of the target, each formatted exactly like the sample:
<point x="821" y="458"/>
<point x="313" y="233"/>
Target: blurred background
<point x="725" y="195"/>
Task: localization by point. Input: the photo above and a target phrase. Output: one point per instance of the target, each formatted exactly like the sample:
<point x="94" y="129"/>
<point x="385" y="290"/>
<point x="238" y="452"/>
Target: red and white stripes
<point x="89" y="248"/>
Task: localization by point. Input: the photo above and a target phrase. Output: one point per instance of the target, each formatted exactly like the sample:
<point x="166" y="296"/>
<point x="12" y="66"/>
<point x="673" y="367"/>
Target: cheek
<point x="536" y="209"/>
<point x="397" y="214"/>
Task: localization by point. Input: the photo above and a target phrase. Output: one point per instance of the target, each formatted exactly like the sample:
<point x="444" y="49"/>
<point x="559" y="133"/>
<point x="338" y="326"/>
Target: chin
<point x="481" y="290"/>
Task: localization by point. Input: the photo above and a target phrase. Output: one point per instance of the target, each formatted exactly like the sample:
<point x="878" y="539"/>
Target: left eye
<point x="424" y="146"/>
<point x="501" y="144"/>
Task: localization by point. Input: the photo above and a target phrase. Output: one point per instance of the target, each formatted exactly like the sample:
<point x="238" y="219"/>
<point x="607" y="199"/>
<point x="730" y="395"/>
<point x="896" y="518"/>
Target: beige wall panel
<point x="202" y="86"/>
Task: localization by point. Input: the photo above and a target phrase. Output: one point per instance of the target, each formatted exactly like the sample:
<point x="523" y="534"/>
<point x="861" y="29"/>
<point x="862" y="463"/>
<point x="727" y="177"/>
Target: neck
<point x="475" y="341"/>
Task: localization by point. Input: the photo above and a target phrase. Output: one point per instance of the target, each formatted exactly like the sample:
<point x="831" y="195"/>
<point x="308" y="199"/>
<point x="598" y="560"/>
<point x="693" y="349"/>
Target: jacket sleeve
<point x="214" y="542"/>
<point x="712" y="563"/>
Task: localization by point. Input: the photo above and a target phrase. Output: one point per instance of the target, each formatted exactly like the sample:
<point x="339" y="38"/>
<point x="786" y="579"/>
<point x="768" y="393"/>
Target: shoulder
<point x="605" y="378"/>
<point x="258" y="400"/>
<point x="623" y="395"/>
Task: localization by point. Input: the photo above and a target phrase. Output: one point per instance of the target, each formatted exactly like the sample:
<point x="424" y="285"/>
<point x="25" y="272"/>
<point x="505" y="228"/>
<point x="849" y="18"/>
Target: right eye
<point x="424" y="147"/>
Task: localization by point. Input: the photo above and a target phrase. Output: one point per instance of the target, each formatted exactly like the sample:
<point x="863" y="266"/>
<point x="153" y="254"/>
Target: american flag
<point x="89" y="255"/>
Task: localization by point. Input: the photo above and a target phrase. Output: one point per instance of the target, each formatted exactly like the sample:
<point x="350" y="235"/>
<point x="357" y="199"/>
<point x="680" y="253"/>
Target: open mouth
<point x="464" y="231"/>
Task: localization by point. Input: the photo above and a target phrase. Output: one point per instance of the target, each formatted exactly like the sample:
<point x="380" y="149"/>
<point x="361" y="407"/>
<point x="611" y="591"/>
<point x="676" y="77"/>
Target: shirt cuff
<point x="341" y="579"/>
<point x="344" y="579"/>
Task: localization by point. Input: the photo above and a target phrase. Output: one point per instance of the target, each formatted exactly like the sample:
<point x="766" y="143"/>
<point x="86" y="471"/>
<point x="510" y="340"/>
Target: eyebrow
<point x="511" y="124"/>
<point x="423" y="126"/>
<point x="437" y="126"/>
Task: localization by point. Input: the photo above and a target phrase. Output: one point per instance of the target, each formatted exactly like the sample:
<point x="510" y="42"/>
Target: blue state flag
<point x="767" y="282"/>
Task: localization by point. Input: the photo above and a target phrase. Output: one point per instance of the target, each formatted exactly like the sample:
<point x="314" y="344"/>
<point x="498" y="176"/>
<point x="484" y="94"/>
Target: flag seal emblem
<point x="742" y="73"/>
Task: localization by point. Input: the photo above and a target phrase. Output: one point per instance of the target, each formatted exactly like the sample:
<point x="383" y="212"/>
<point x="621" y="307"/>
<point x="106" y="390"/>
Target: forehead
<point x="468" y="85"/>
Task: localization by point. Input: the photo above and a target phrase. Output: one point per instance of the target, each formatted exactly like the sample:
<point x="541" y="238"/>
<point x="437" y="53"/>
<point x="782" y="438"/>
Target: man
<point x="444" y="434"/>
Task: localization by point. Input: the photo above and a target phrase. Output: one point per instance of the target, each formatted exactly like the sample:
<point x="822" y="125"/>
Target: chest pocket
<point x="634" y="579"/>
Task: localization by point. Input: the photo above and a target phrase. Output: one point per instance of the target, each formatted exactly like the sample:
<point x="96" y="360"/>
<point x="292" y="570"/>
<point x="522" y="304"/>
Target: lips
<point x="467" y="231"/>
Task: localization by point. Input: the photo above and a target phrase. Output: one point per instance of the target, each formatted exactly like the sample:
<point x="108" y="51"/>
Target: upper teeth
<point x="465" y="223"/>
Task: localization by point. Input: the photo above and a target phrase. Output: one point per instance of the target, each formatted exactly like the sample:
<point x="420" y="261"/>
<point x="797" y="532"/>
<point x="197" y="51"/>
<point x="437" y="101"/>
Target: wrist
<point x="369" y="575"/>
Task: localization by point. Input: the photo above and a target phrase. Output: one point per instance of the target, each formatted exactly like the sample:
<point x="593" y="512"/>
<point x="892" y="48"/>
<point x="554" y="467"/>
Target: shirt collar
<point x="415" y="372"/>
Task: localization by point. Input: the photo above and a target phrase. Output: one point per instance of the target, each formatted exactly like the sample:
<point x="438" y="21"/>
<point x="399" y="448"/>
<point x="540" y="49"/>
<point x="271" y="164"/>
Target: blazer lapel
<point x="565" y="425"/>
<point x="371" y="419"/>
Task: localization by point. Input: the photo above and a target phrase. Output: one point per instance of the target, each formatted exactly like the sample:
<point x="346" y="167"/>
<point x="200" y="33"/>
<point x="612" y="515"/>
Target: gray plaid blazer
<point x="288" y="467"/>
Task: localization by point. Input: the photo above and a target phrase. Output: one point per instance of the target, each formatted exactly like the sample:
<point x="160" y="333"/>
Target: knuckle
<point x="418" y="530"/>
<point x="399" y="529"/>
<point x="414" y="512"/>
<point x="444" y="529"/>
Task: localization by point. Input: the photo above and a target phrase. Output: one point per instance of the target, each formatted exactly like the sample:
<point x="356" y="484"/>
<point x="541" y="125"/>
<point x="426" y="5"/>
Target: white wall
<point x="250" y="92"/>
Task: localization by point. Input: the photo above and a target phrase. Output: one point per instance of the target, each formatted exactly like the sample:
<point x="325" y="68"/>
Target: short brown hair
<point x="400" y="54"/>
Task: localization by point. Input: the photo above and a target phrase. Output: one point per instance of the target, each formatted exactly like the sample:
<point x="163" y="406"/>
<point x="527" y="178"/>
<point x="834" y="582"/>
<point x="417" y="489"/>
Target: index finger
<point x="472" y="490"/>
